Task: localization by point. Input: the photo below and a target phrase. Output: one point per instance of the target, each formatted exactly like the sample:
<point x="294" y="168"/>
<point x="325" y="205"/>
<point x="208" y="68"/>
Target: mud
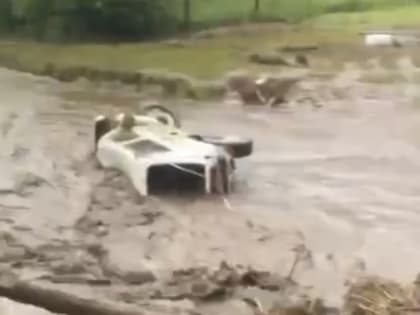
<point x="335" y="169"/>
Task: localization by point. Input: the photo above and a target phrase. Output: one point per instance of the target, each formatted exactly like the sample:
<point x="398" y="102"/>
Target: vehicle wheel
<point x="236" y="146"/>
<point x="162" y="114"/>
<point x="102" y="126"/>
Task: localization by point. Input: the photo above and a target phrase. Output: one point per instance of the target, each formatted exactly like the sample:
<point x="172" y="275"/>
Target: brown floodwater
<point x="344" y="179"/>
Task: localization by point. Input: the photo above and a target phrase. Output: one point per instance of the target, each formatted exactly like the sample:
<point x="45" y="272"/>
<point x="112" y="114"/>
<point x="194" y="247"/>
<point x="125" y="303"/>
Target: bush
<point x="100" y="19"/>
<point x="6" y="16"/>
<point x="350" y="6"/>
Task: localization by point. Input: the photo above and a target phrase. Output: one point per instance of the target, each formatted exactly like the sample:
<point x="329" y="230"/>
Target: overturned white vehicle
<point x="159" y="156"/>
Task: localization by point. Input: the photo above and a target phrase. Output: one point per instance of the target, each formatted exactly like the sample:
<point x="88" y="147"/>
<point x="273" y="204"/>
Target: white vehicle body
<point x="157" y="145"/>
<point x="380" y="40"/>
<point x="390" y="39"/>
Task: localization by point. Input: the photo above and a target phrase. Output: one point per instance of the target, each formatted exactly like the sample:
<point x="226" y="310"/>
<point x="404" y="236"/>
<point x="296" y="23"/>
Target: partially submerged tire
<point x="102" y="126"/>
<point x="162" y="114"/>
<point x="237" y="147"/>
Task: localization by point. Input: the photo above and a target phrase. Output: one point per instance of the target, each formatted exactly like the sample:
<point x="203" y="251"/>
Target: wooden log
<point x="270" y="59"/>
<point x="294" y="49"/>
<point x="13" y="288"/>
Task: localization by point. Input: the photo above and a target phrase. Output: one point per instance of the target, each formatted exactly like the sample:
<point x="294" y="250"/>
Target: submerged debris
<point x="376" y="296"/>
<point x="298" y="48"/>
<point x="271" y="59"/>
<point x="302" y="60"/>
<point x="266" y="90"/>
<point x="204" y="284"/>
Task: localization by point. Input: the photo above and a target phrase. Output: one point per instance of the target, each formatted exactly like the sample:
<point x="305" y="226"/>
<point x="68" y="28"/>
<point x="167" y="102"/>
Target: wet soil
<point x="338" y="175"/>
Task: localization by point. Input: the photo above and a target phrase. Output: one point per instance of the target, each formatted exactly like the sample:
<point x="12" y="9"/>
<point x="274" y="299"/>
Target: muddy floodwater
<point x="343" y="178"/>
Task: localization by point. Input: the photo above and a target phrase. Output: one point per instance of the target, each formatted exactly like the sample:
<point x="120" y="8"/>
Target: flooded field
<point x="341" y="178"/>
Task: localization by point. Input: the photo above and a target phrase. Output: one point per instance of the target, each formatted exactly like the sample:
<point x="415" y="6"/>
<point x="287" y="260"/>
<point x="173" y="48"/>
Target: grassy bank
<point x="399" y="17"/>
<point x="186" y="68"/>
<point x="211" y="12"/>
<point x="201" y="58"/>
<point x="208" y="58"/>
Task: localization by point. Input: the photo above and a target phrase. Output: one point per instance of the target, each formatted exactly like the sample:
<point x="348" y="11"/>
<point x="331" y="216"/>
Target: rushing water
<point x="345" y="178"/>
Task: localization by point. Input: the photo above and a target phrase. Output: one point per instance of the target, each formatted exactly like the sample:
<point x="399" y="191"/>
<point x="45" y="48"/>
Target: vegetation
<point x="6" y="15"/>
<point x="224" y="52"/>
<point x="88" y="19"/>
<point x="143" y="19"/>
<point x="403" y="16"/>
<point x="55" y="21"/>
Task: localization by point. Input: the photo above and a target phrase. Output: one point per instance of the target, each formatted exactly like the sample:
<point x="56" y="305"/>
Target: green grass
<point x="214" y="12"/>
<point x="207" y="58"/>
<point x="202" y="59"/>
<point x="405" y="16"/>
<point x="210" y="12"/>
<point x="336" y="33"/>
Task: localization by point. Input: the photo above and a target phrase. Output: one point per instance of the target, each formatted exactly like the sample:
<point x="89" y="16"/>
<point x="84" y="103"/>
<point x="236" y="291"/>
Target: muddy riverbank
<point x="340" y="178"/>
